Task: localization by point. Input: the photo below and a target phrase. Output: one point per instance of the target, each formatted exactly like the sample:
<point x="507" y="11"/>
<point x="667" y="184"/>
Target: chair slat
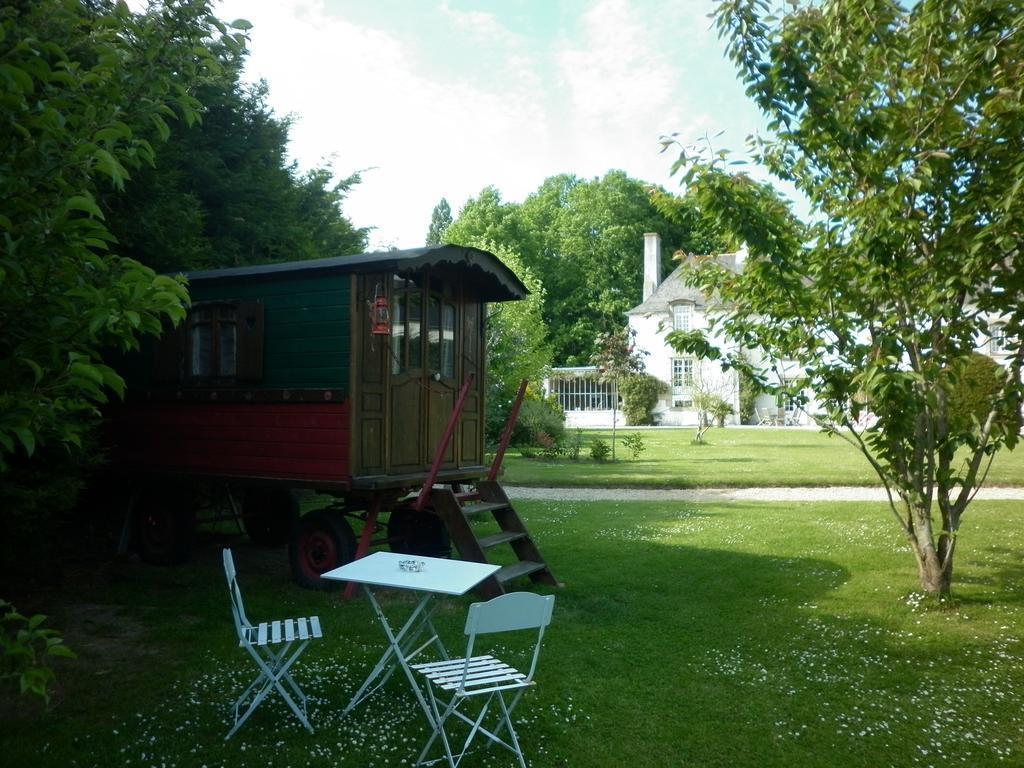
<point x="275" y="632"/>
<point x="315" y="623"/>
<point x="303" y="632"/>
<point x="261" y="638"/>
<point x="431" y="666"/>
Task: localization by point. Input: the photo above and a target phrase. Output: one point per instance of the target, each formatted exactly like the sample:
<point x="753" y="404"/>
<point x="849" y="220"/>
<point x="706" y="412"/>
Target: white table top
<point x="445" y="577"/>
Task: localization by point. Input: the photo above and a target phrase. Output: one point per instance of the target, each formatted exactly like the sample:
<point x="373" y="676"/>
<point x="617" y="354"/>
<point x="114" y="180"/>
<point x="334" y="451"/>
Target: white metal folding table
<point x="437" y="577"/>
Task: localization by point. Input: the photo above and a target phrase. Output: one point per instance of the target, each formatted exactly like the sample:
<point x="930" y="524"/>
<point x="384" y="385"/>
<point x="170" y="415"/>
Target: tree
<point x="904" y="128"/>
<point x="714" y="390"/>
<point x="583" y="240"/>
<point x="588" y="245"/>
<point x="440" y="220"/>
<point x="83" y="84"/>
<point x="616" y="357"/>
<point x="222" y="192"/>
<point x="517" y="343"/>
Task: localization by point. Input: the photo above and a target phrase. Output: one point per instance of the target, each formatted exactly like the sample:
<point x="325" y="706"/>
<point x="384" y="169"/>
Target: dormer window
<point x="682" y="317"/>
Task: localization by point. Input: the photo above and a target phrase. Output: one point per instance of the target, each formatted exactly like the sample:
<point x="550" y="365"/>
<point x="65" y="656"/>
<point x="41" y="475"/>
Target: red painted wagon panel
<point x="288" y="441"/>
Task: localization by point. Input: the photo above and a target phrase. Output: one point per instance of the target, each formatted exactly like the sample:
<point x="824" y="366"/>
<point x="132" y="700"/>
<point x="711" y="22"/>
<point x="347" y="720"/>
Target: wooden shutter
<point x="249" y="329"/>
<point x="169" y="353"/>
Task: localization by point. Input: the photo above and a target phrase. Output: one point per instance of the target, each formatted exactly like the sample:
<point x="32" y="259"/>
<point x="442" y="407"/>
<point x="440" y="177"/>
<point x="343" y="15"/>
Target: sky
<point x="442" y="98"/>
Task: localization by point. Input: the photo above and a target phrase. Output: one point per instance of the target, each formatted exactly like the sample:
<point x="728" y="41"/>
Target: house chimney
<point x="652" y="263"/>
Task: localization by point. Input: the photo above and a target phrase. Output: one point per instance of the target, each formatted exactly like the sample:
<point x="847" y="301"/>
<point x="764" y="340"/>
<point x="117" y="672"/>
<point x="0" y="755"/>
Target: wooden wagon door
<point x="442" y="383"/>
<point x="406" y="444"/>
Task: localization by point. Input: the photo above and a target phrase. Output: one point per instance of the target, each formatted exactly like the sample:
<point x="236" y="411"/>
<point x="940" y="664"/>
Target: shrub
<point x="639" y="396"/>
<point x="539" y="416"/>
<point x="634" y="443"/>
<point x="749" y="390"/>
<point x="26" y="649"/>
<point x="719" y="410"/>
<point x="973" y="394"/>
<point x="599" y="450"/>
<point x="549" y="448"/>
<point x="574" y="445"/>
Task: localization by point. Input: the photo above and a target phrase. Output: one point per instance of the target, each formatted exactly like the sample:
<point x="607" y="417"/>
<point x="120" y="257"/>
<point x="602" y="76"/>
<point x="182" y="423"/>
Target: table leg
<point x="398" y="649"/>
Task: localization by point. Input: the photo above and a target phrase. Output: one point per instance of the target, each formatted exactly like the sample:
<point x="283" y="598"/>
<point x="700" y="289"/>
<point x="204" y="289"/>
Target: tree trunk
<point x="934" y="566"/>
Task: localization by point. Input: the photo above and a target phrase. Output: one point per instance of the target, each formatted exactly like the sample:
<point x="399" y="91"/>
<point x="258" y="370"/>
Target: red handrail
<point x="506" y="436"/>
<point x="442" y="447"/>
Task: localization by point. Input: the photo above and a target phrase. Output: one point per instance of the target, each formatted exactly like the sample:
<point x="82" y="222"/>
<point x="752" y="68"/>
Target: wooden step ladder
<point x="457" y="509"/>
<point x="466" y="513"/>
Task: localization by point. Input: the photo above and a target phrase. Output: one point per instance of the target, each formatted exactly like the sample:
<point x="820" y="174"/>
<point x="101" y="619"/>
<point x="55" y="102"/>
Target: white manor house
<point x="668" y="305"/>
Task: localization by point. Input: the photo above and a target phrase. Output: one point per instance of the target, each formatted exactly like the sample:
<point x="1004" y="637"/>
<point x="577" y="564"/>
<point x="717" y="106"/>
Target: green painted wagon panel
<point x="306" y="328"/>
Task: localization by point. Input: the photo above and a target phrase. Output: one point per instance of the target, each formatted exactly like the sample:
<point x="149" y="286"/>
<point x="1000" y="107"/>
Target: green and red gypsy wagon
<point x="361" y="377"/>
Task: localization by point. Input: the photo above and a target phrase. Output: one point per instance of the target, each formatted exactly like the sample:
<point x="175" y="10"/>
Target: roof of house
<point x="491" y="278"/>
<point x="673" y="289"/>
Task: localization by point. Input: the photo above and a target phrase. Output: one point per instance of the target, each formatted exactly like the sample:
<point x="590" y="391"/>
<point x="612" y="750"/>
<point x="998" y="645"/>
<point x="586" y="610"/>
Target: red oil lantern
<point x="380" y="316"/>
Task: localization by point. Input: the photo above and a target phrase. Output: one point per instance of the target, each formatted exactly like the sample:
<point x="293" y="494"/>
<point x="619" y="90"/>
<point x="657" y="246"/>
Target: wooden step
<point x="467" y="496"/>
<point x="483" y="508"/>
<point x="518" y="570"/>
<point x="505" y="537"/>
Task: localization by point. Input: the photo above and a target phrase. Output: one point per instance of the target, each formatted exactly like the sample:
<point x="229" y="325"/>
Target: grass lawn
<point x="733" y="457"/>
<point x="706" y="635"/>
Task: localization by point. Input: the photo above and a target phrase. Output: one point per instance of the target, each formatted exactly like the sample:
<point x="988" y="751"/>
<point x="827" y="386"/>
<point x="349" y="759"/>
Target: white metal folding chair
<point x="274" y="646"/>
<point x="484" y="676"/>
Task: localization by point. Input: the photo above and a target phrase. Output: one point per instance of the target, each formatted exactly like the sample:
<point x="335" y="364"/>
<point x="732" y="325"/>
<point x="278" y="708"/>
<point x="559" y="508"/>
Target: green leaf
<point x="241" y="24"/>
<point x="37" y="369"/>
<point x="27" y="438"/>
<point x="107" y="164"/>
<point x="62" y="651"/>
<point x="87" y="371"/>
<point x="84" y="203"/>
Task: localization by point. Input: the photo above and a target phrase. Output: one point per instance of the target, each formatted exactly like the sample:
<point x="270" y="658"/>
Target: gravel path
<point x="836" y="493"/>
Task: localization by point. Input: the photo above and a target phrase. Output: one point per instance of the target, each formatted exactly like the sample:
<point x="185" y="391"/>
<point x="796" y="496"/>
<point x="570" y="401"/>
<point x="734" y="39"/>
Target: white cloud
<point x="517" y="111"/>
<point x="361" y="100"/>
<point x="624" y="90"/>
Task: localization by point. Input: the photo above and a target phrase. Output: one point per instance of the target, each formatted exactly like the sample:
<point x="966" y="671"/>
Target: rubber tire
<point x="164" y="524"/>
<point x="268" y="515"/>
<point x="418" y="533"/>
<point x="319" y="542"/>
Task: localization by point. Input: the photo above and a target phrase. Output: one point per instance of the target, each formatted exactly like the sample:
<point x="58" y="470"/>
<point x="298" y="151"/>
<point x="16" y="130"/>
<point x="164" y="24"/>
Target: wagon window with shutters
<point x="219" y="341"/>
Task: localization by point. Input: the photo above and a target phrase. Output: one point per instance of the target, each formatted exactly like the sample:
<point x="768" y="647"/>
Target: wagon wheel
<point x="418" y="533"/>
<point x="268" y="515"/>
<point x="319" y="542"/>
<point x="164" y="524"/>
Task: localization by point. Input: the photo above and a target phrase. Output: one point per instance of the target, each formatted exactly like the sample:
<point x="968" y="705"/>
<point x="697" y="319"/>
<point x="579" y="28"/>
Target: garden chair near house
<point x="274" y="646"/>
<point x="485" y="676"/>
<point x="766" y="417"/>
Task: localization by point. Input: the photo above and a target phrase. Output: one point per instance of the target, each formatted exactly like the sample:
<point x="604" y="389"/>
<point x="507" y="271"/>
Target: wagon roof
<point x="493" y="279"/>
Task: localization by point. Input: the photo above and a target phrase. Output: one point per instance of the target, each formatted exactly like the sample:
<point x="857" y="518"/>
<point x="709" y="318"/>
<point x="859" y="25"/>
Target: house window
<point x="213" y="337"/>
<point x="682" y="316"/>
<point x="583" y="393"/>
<point x="997" y="338"/>
<point x="682" y="382"/>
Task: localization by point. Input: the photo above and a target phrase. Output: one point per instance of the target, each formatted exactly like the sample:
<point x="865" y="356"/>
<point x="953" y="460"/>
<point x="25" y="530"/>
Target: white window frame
<point x="681" y="373"/>
<point x="997" y="338"/>
<point x="682" y="317"/>
<point x="583" y="393"/>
